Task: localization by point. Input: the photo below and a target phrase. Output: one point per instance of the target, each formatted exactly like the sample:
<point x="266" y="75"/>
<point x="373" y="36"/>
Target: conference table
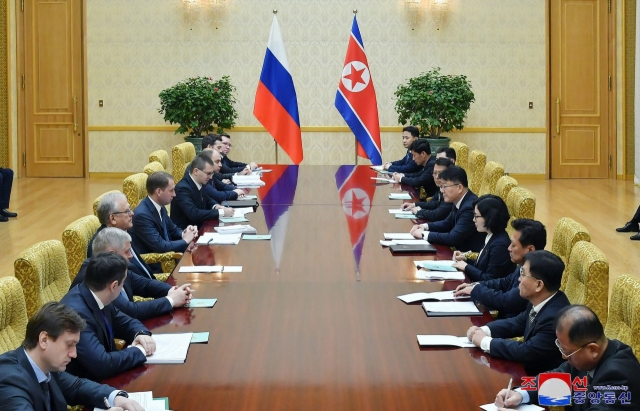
<point x="313" y="320"/>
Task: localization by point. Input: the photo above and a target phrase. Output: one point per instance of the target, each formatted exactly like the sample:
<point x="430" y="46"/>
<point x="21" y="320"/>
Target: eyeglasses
<point x="476" y="216"/>
<point x="450" y="185"/>
<point x="208" y="174"/>
<point x="522" y="274"/>
<point x="569" y="355"/>
<point x="127" y="211"/>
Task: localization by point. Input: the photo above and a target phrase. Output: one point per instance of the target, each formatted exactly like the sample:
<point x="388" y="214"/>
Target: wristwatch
<point x="122" y="394"/>
<point x="142" y="332"/>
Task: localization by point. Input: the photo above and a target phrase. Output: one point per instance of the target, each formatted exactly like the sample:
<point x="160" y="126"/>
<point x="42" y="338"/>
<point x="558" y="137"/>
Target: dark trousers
<point x="6" y="181"/>
<point x="636" y="216"/>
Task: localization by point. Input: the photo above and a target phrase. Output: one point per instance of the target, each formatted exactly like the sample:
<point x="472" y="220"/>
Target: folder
<point x="241" y="203"/>
<point x="451" y="309"/>
<point x="436" y="265"/>
<point x="412" y="248"/>
<point x="444" y="340"/>
<point x="437" y="296"/>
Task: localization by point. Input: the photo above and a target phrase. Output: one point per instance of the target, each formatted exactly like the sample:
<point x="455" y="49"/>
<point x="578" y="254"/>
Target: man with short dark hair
<point x="6" y="181"/>
<point x="33" y="376"/>
<point x="540" y="278"/>
<point x="230" y="166"/>
<point x="436" y="208"/>
<point x="458" y="229"/>
<point x="98" y="358"/>
<point x="406" y="164"/>
<point x="422" y="179"/>
<point x="215" y="188"/>
<point x="606" y="365"/>
<point x="191" y="206"/>
<point x="503" y="294"/>
<point x="447" y="152"/>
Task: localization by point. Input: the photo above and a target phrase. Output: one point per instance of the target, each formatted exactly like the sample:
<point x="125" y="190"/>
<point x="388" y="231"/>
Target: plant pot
<point x="196" y="141"/>
<point x="437" y="143"/>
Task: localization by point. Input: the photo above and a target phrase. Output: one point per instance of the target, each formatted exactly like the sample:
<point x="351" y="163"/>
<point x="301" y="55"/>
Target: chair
<point x="462" y="153"/>
<point x="134" y="188"/>
<point x="13" y="314"/>
<point x="44" y="274"/>
<point x="97" y="201"/>
<point x="624" y="312"/>
<point x="152" y="167"/>
<point x="503" y="186"/>
<point x="566" y="234"/>
<point x="76" y="238"/>
<point x="492" y="173"/>
<point x="521" y="204"/>
<point x="588" y="279"/>
<point x="162" y="157"/>
<point x="181" y="155"/>
<point x="475" y="169"/>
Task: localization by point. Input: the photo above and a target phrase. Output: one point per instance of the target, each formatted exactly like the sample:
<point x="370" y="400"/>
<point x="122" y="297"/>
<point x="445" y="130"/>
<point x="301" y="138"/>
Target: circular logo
<point x="356" y="203"/>
<point x="355" y="76"/>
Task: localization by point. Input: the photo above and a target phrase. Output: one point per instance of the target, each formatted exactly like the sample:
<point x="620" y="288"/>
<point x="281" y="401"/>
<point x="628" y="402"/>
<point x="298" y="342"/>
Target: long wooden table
<point x="304" y="326"/>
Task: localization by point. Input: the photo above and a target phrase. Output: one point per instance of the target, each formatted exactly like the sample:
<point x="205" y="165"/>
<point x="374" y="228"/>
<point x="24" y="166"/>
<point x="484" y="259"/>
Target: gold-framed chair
<point x="152" y="167"/>
<point x="566" y="234"/>
<point x="97" y="201"/>
<point x="492" y="173"/>
<point x="521" y="204"/>
<point x="503" y="186"/>
<point x="475" y="170"/>
<point x="588" y="279"/>
<point x="13" y="314"/>
<point x="623" y="323"/>
<point x="162" y="157"/>
<point x="43" y="273"/>
<point x="181" y="156"/>
<point x="462" y="153"/>
<point x="76" y="238"/>
<point x="134" y="188"/>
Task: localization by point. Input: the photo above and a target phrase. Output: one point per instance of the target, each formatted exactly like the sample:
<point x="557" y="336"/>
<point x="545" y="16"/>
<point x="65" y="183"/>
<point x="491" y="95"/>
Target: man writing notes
<point x="406" y="163"/>
<point x="540" y="279"/>
<point x="458" y="229"/>
<point x="98" y="357"/>
<point x="33" y="376"/>
<point x="191" y="206"/>
<point x="503" y="294"/>
<point x="423" y="178"/>
<point x="436" y="208"/>
<point x="153" y="231"/>
<point x="608" y="367"/>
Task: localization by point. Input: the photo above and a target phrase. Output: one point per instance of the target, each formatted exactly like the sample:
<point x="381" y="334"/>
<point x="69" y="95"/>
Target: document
<point x="241" y="211"/>
<point x="521" y="407"/>
<point x="383" y="180"/>
<point x="256" y="237"/>
<point x="399" y="236"/>
<point x="232" y="269"/>
<point x="439" y="275"/>
<point x="436" y="265"/>
<point x="405" y="216"/>
<point x="399" y="196"/>
<point x="219" y="239"/>
<point x="200" y="338"/>
<point x="146" y="399"/>
<point x="387" y="243"/>
<point x="170" y="348"/>
<point x="438" y="340"/>
<point x="377" y="168"/>
<point x="210" y="269"/>
<point x="228" y="220"/>
<point x="250" y="197"/>
<point x="446" y="308"/>
<point x="235" y="229"/>
<point x="202" y="302"/>
<point x="437" y="295"/>
<point x="399" y="211"/>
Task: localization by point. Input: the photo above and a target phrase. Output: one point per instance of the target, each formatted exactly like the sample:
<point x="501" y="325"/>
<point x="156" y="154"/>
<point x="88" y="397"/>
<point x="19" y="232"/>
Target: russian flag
<point x="356" y="99"/>
<point x="276" y="104"/>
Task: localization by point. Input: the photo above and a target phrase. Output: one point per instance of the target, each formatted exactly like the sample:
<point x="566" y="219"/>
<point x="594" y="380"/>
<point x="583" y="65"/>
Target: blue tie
<point x="163" y="217"/>
<point x="106" y="323"/>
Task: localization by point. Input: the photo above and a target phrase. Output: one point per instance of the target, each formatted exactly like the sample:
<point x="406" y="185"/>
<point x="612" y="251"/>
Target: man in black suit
<point x="153" y="231"/>
<point x="98" y="357"/>
<point x="423" y="178"/>
<point x="503" y="294"/>
<point x="631" y="226"/>
<point x="166" y="297"/>
<point x="227" y="163"/>
<point x="6" y="181"/>
<point x="436" y="208"/>
<point x="191" y="206"/>
<point x="33" y="376"/>
<point x="405" y="164"/>
<point x="606" y="365"/>
<point x="215" y="188"/>
<point x="540" y="279"/>
<point x="458" y="229"/>
<point x="447" y="152"/>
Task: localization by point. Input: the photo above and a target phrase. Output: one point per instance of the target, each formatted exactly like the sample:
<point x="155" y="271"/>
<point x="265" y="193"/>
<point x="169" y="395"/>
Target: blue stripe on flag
<point x="343" y="173"/>
<point x="280" y="197"/>
<point x="359" y="130"/>
<point x="280" y="83"/>
<point x="356" y="32"/>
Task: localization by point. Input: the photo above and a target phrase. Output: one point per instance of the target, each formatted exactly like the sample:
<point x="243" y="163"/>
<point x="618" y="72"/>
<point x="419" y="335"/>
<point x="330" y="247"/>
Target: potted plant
<point x="435" y="103"/>
<point x="197" y="104"/>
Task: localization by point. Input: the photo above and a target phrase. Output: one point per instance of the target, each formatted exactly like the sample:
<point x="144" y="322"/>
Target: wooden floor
<point x="46" y="206"/>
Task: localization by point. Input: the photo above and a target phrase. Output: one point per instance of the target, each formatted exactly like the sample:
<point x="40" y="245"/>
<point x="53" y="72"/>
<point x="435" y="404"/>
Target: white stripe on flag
<point x="276" y="45"/>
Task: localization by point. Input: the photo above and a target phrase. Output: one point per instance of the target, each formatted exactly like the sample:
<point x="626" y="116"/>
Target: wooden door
<point x="579" y="89"/>
<point x="53" y="88"/>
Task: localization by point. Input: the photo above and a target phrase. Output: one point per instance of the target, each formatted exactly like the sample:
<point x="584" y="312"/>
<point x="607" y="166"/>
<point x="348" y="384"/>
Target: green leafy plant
<point x="198" y="103"/>
<point x="434" y="102"/>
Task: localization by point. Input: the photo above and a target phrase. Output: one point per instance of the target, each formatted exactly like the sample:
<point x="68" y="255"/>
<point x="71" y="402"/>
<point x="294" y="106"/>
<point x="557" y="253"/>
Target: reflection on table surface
<point x="313" y="320"/>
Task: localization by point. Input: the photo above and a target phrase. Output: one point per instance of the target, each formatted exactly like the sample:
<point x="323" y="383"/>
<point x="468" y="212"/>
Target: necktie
<point x="163" y="215"/>
<point x="47" y="396"/>
<point x="106" y="323"/>
<point x="532" y="316"/>
<point x="139" y="263"/>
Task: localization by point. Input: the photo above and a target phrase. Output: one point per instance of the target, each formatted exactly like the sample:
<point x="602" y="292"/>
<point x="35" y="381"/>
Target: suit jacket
<point x="216" y="189"/>
<point x="148" y="231"/>
<point x="135" y="284"/>
<point x="618" y="366"/>
<point x="458" y="229"/>
<point x="423" y="178"/>
<point x="538" y="352"/>
<point x="435" y="209"/>
<point x="230" y="166"/>
<point x="97" y="356"/>
<point x="405" y="165"/>
<point x="191" y="206"/>
<point x="494" y="261"/>
<point x="20" y="390"/>
<point x="139" y="267"/>
<point x="501" y="294"/>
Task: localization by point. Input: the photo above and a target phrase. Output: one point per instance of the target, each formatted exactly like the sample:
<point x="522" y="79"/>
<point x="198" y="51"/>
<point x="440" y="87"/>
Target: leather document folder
<point x="412" y="248"/>
<point x="242" y="203"/>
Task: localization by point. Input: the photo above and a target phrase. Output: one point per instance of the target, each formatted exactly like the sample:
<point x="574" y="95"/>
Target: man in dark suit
<point x="229" y="165"/>
<point x="606" y="365"/>
<point x="436" y="208"/>
<point x="33" y="376"/>
<point x="166" y="297"/>
<point x="214" y="141"/>
<point x="458" y="229"/>
<point x="405" y="164"/>
<point x="423" y="178"/>
<point x="6" y="181"/>
<point x="447" y="152"/>
<point x="539" y="283"/>
<point x="503" y="294"/>
<point x="153" y="231"/>
<point x="216" y="189"/>
<point x="98" y="357"/>
<point x="191" y="206"/>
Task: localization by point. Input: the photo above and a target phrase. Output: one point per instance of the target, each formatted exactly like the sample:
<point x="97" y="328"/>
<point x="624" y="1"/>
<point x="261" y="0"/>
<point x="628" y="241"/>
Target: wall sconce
<point x="413" y="9"/>
<point x="439" y="10"/>
<point x="211" y="10"/>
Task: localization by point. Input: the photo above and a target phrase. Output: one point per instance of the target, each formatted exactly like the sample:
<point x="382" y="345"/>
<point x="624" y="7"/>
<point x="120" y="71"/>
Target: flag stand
<point x="355" y="157"/>
<point x="274" y="140"/>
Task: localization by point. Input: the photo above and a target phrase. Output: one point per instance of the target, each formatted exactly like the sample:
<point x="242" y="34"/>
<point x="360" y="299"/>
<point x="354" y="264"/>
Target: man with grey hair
<point x="114" y="240"/>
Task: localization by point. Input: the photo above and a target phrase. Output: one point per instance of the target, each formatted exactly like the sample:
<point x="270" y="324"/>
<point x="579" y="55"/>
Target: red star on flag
<point x="355" y="76"/>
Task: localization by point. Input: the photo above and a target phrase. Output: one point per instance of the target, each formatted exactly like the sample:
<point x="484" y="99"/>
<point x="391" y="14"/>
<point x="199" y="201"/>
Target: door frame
<point x="20" y="71"/>
<point x="613" y="118"/>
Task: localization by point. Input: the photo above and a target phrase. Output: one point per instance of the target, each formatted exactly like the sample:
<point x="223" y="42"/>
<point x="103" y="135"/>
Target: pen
<point x="106" y="403"/>
<point x="506" y="395"/>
